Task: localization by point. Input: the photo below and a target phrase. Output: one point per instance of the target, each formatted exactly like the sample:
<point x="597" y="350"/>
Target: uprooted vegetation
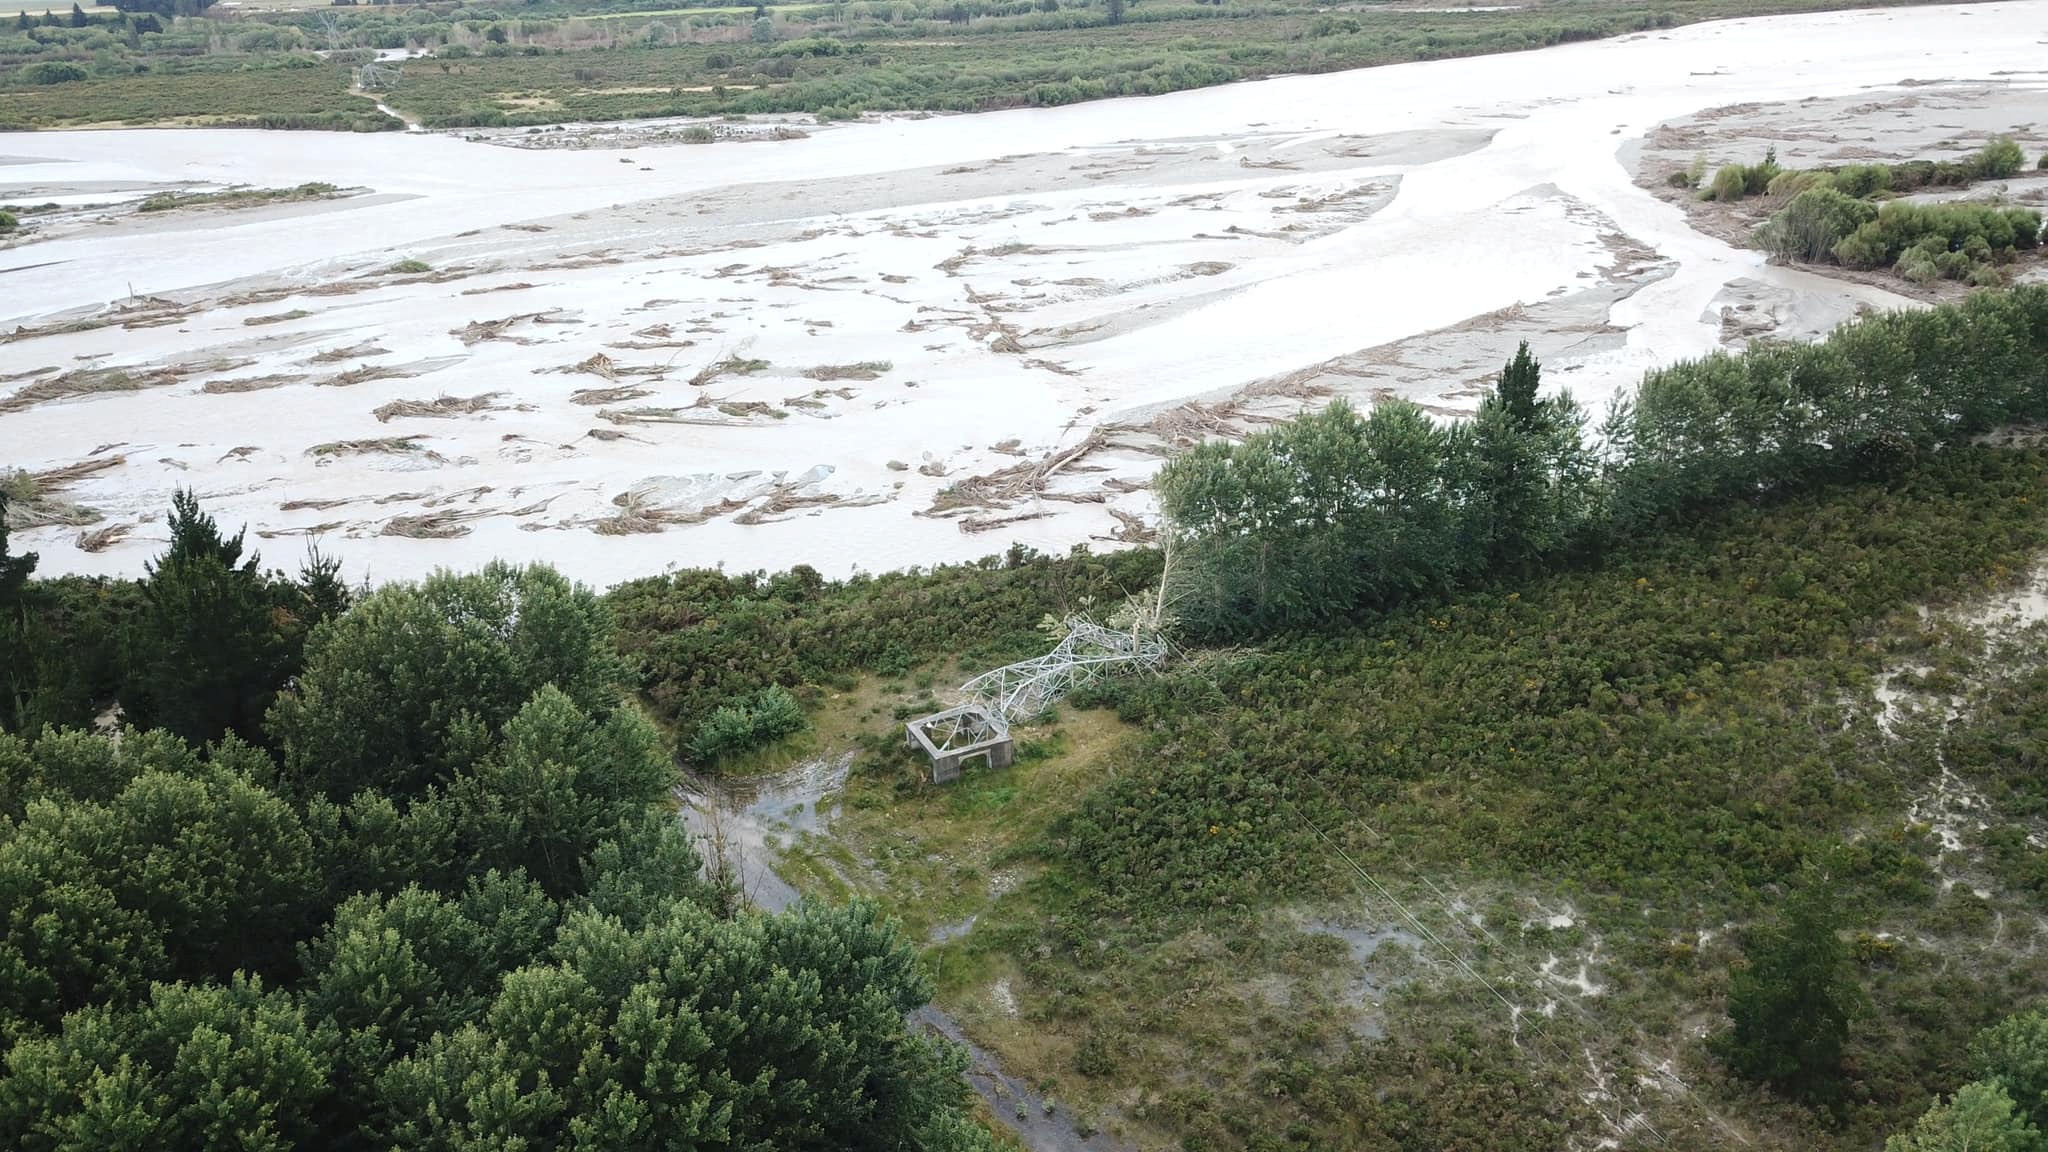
<point x="408" y="446"/>
<point x="478" y="331"/>
<point x="441" y="407"/>
<point x="46" y="387"/>
<point x="734" y="365"/>
<point x="706" y="409"/>
<point x="36" y="499"/>
<point x="603" y="365"/>
<point x="865" y="370"/>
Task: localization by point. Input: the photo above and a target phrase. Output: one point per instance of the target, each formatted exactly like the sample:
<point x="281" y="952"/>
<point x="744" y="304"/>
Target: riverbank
<point x="886" y="344"/>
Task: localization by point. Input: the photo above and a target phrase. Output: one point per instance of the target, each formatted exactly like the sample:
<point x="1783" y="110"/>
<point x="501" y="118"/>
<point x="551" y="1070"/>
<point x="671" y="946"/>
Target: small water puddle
<point x="947" y="933"/>
<point x="744" y="822"/>
<point x="1369" y="982"/>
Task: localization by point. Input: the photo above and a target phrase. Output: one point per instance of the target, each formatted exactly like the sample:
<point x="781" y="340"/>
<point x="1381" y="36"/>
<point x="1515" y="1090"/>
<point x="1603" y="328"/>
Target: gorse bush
<point x="52" y="72"/>
<point x="1999" y="159"/>
<point x="1733" y="182"/>
<point x="1814" y="222"/>
<point x="1612" y="723"/>
<point x="749" y="722"/>
<point x="700" y="638"/>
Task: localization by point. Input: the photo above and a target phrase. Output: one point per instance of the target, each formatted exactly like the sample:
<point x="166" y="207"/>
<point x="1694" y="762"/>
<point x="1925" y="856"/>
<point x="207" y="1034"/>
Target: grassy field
<point x="837" y="60"/>
<point x="1585" y="785"/>
<point x="313" y="97"/>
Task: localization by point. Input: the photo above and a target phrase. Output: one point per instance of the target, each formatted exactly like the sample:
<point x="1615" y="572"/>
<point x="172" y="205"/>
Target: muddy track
<point x="739" y="819"/>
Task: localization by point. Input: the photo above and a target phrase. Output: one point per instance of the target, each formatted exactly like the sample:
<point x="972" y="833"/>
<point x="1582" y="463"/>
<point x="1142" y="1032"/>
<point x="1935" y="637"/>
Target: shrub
<point x="411" y="267"/>
<point x="1860" y="180"/>
<point x="1810" y="227"/>
<point x="1999" y="159"/>
<point x="8" y="222"/>
<point x="2026" y="227"/>
<point x="1735" y="181"/>
<point x="1918" y="268"/>
<point x="1729" y="183"/>
<point x="754" y="720"/>
<point x="698" y="134"/>
<point x="1951" y="237"/>
<point x="52" y="72"/>
<point x="1794" y="181"/>
<point x="1863" y="248"/>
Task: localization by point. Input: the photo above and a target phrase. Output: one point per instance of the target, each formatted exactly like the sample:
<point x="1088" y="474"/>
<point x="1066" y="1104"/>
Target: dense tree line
<point x="398" y="873"/>
<point x="1336" y="514"/>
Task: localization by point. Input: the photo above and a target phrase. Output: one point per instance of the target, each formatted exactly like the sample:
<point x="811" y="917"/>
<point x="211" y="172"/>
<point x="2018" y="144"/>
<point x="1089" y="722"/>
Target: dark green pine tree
<point x="21" y="21"/>
<point x="1519" y="382"/>
<point x="1511" y="480"/>
<point x="207" y="657"/>
<point x="1793" y="999"/>
<point x="15" y="665"/>
<point x="78" y="19"/>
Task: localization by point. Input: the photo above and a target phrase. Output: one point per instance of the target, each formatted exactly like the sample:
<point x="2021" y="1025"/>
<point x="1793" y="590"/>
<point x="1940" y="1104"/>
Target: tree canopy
<point x="401" y="873"/>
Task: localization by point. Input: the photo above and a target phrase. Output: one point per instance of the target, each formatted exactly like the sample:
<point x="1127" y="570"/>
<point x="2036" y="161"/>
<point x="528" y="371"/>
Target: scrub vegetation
<point x="1856" y="216"/>
<point x="553" y="62"/>
<point x="238" y="197"/>
<point x="1649" y="699"/>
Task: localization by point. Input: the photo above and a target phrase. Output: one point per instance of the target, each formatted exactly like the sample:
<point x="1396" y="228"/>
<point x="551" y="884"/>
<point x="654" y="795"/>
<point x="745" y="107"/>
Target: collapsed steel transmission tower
<point x="1019" y="691"/>
<point x="375" y="77"/>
